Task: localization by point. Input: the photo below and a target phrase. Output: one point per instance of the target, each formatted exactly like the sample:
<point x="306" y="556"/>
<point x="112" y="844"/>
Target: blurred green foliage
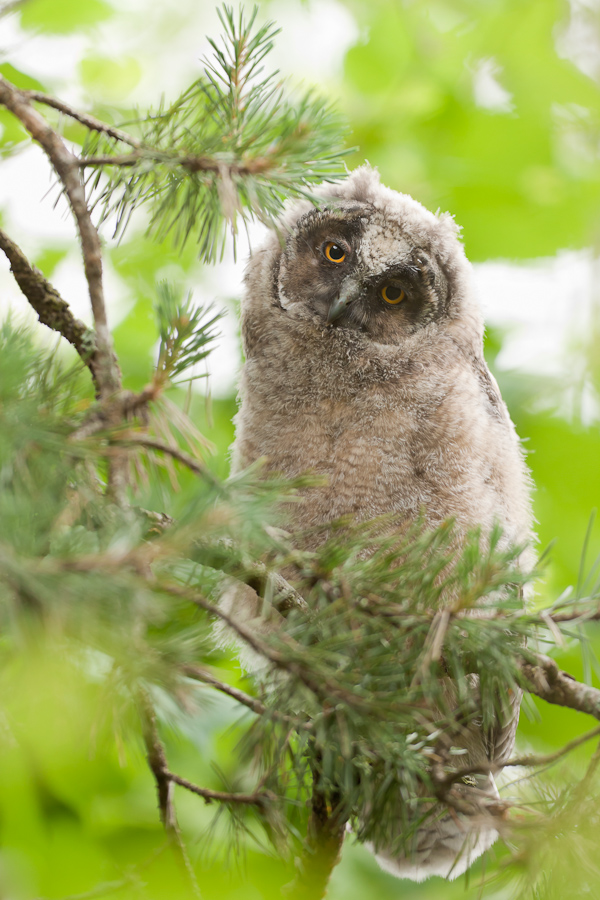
<point x="522" y="175"/>
<point x="520" y="170"/>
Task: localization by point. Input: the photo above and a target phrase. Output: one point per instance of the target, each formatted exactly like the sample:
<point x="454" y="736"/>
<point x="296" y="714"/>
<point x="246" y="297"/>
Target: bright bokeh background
<point x="487" y="108"/>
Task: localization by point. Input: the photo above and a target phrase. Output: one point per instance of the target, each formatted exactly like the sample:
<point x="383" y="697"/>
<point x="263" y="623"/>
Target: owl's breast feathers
<point x="394" y="429"/>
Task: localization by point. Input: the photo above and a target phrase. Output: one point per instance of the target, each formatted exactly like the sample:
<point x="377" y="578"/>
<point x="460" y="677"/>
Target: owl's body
<point x="364" y="363"/>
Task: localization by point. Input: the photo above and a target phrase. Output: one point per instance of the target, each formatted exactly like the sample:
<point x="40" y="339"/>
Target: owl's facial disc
<point x="351" y="268"/>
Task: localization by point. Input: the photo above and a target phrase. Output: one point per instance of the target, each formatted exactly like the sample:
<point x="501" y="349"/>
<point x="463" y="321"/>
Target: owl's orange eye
<point x="334" y="252"/>
<point x="392" y="294"/>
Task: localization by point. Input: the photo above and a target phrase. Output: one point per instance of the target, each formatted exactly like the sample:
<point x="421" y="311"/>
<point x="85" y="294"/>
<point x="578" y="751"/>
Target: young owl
<point x="364" y="363"/>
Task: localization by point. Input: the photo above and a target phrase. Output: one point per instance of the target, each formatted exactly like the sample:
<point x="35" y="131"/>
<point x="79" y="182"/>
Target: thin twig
<point x="533" y="760"/>
<point x="52" y="310"/>
<point x="245" y="699"/>
<point x="258" y="798"/>
<point x="323" y="688"/>
<point x="189" y="163"/>
<point x="157" y="761"/>
<point x="252" y="703"/>
<point x="152" y="443"/>
<point x="525" y="760"/>
<point x="90" y="122"/>
<point x="573" y="616"/>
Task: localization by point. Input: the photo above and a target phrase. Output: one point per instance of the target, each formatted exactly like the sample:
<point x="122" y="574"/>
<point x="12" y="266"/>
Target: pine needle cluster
<point x="235" y="143"/>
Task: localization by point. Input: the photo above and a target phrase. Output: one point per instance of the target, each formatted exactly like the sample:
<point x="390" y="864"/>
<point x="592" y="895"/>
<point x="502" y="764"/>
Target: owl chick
<point x="364" y="363"/>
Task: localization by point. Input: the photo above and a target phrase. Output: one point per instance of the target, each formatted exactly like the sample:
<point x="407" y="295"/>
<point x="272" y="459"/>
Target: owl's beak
<point x="348" y="293"/>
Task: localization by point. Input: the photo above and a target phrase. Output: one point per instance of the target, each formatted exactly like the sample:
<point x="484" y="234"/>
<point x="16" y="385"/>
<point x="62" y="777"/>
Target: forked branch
<point x="157" y="760"/>
<point x="66" y="166"/>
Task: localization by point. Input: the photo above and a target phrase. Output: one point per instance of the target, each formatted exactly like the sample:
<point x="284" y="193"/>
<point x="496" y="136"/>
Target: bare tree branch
<point x="544" y="679"/>
<point x="90" y="122"/>
<point x="52" y="310"/>
<point x="573" y="615"/>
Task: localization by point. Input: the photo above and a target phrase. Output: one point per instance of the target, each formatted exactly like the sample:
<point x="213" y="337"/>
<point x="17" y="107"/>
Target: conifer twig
<point x="323" y="688"/>
<point x="573" y="615"/>
<point x="190" y="163"/>
<point x="52" y="310"/>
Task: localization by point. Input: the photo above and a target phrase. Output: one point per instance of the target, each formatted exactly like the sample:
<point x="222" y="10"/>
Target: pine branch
<point x="258" y="166"/>
<point x="252" y="703"/>
<point x="326" y="689"/>
<point x="581" y="615"/>
<point x="536" y="760"/>
<point x="231" y="145"/>
<point x="52" y="310"/>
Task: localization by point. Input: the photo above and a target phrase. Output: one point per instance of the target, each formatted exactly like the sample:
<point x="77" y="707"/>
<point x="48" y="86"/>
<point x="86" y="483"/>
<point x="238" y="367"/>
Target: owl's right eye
<point x="333" y="252"/>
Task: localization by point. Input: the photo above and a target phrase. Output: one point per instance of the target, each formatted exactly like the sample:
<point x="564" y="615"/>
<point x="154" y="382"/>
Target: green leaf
<point x="64" y="16"/>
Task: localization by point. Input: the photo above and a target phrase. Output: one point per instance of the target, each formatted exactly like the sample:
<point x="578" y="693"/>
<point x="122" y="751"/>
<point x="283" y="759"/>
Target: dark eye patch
<point x="322" y="225"/>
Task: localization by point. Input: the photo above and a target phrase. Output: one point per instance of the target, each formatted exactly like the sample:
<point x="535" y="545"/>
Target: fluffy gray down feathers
<point x="394" y="406"/>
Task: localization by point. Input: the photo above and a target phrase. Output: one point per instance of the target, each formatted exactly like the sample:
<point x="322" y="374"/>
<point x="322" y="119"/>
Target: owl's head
<point x="369" y="260"/>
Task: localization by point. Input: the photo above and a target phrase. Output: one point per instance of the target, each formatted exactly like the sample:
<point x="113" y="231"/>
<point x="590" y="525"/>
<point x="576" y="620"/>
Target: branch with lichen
<point x="52" y="310"/>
